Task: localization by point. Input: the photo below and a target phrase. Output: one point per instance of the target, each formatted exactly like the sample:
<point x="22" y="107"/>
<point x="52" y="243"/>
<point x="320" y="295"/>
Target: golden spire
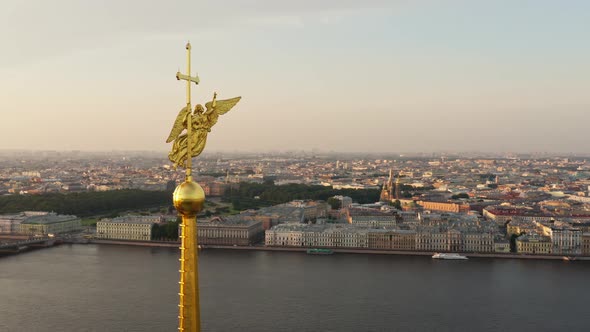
<point x="188" y="199"/>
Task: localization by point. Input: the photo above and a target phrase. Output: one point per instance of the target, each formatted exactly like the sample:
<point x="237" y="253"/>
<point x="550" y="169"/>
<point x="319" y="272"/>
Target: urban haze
<point x="345" y="76"/>
<point x="357" y="166"/>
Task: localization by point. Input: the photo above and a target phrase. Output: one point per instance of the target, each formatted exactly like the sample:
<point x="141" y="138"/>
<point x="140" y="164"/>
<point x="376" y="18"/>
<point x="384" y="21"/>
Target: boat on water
<point x="320" y="251"/>
<point x="450" y="256"/>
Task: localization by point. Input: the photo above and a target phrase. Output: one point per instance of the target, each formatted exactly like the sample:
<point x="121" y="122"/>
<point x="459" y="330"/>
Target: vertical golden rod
<point x="182" y="281"/>
<point x="189" y="123"/>
<point x="188" y="200"/>
<point x="191" y="278"/>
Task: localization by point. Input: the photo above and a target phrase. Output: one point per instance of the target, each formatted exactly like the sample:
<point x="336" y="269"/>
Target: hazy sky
<point x="328" y="74"/>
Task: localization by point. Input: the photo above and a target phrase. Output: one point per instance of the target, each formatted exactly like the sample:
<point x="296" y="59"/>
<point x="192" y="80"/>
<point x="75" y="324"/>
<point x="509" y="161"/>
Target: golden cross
<point x="188" y="78"/>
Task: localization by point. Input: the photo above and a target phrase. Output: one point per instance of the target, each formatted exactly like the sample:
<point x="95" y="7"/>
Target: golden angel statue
<point x="201" y="126"/>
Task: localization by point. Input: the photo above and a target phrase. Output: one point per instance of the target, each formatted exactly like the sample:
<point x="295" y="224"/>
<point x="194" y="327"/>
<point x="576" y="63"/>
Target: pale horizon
<point x="342" y="76"/>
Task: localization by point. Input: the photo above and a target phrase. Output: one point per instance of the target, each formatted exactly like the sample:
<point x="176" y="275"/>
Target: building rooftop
<point x="229" y="221"/>
<point x="49" y="218"/>
<point x="134" y="220"/>
<point x="533" y="238"/>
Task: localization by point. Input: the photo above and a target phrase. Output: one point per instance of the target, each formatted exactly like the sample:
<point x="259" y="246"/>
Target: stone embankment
<point x="336" y="250"/>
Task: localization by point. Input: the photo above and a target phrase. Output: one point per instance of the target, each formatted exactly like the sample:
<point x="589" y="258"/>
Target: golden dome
<point x="188" y="198"/>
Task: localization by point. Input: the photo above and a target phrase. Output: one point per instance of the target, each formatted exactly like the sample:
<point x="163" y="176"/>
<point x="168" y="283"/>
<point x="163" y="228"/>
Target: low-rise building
<point x="49" y="223"/>
<point x="586" y="244"/>
<point x="520" y="227"/>
<point x="345" y="201"/>
<point x="231" y="230"/>
<point x="133" y="228"/>
<point x="479" y="242"/>
<point x="444" y="206"/>
<point x="502" y="246"/>
<point x="392" y="239"/>
<point x="285" y="235"/>
<point x="567" y="240"/>
<point x="10" y="223"/>
<point x="311" y="209"/>
<point x="432" y="240"/>
<point x="317" y="236"/>
<point x="502" y="214"/>
<point x="533" y="244"/>
<point x="347" y="237"/>
<point x="373" y="221"/>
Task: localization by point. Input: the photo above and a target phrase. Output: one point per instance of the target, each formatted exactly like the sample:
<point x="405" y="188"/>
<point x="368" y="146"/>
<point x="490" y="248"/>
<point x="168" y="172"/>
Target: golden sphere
<point x="188" y="198"/>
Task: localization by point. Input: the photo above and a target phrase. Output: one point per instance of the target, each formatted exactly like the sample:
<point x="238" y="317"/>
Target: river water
<point x="117" y="288"/>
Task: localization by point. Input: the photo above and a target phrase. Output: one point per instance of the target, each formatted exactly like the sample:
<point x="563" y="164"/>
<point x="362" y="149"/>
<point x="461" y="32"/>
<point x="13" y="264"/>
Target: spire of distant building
<point x="387" y="191"/>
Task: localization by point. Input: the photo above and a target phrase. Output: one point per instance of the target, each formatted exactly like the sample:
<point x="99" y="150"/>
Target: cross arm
<point x="189" y="78"/>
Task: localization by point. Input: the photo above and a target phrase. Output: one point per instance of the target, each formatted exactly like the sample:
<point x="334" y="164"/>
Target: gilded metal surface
<point x="202" y="122"/>
<point x="189" y="197"/>
<point x="191" y="144"/>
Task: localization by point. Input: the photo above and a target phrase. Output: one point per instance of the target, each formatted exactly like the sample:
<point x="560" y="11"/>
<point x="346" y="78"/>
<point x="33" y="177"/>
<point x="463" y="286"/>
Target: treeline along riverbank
<point x="257" y="195"/>
<point x="86" y="203"/>
<point x="247" y="196"/>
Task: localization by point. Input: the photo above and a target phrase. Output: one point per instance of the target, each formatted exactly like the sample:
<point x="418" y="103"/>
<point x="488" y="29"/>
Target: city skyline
<point x="380" y="76"/>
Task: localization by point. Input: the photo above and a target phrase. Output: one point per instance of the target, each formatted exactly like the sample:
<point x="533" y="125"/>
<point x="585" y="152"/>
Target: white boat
<point x="448" y="256"/>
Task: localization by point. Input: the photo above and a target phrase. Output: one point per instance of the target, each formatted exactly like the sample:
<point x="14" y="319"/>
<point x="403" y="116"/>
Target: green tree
<point x="156" y="233"/>
<point x="513" y="238"/>
<point x="255" y="195"/>
<point x="86" y="203"/>
<point x="335" y="203"/>
<point x="170" y="185"/>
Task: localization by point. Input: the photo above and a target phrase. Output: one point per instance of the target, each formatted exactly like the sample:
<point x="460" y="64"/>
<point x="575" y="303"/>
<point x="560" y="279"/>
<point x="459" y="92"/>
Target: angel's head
<point x="199" y="109"/>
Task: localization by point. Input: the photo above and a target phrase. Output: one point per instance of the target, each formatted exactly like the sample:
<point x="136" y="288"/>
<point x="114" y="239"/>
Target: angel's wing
<point x="178" y="125"/>
<point x="222" y="106"/>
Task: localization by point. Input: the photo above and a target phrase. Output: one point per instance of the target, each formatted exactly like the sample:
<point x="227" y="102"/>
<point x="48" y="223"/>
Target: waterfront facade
<point x="566" y="240"/>
<point x="392" y="239"/>
<point x="133" y="228"/>
<point x="586" y="244"/>
<point x="502" y="246"/>
<point x="534" y="244"/>
<point x="317" y="236"/>
<point x="11" y="223"/>
<point x="229" y="231"/>
<point x="479" y="242"/>
<point x="431" y="240"/>
<point x="344" y="237"/>
<point x="49" y="223"/>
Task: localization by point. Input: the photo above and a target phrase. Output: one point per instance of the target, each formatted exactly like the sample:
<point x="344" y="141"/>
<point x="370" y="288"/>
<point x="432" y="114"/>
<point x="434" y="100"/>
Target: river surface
<point x="117" y="288"/>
